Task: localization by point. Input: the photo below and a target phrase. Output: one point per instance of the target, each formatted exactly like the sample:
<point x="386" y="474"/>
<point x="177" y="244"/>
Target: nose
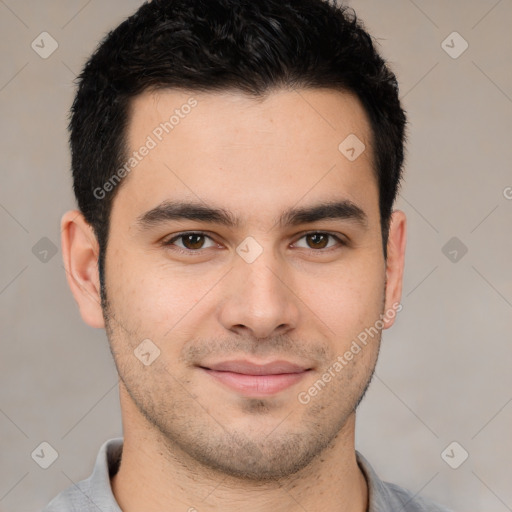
<point x="259" y="298"/>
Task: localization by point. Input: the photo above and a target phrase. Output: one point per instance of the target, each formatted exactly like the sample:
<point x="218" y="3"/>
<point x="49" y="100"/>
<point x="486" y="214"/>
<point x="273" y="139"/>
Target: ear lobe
<point x="80" y="251"/>
<point x="395" y="265"/>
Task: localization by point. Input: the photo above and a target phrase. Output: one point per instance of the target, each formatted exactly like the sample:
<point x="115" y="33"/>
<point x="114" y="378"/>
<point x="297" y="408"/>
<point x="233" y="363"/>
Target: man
<point x="235" y="165"/>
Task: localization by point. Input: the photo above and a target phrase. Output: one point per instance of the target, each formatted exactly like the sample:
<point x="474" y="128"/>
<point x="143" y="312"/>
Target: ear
<point x="395" y="266"/>
<point x="80" y="251"/>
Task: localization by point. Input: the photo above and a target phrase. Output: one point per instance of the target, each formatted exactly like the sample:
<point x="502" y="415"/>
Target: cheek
<point x="351" y="301"/>
<point x="149" y="299"/>
<point x="158" y="300"/>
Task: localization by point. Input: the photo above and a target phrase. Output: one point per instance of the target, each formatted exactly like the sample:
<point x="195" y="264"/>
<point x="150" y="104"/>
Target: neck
<point x="157" y="476"/>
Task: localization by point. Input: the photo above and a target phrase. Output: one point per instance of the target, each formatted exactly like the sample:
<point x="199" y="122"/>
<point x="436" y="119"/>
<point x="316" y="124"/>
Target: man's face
<point x="258" y="292"/>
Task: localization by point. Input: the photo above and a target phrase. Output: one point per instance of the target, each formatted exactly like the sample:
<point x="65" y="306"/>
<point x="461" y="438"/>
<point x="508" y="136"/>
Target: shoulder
<point x="73" y="499"/>
<point x="412" y="503"/>
<point x="389" y="497"/>
<point x="95" y="492"/>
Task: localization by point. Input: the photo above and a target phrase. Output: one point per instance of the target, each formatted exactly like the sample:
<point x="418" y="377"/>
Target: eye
<point x="193" y="241"/>
<point x="190" y="241"/>
<point x="319" y="240"/>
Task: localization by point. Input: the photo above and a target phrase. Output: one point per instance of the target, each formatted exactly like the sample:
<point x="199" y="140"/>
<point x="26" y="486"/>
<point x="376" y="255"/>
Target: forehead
<point x="238" y="151"/>
<point x="234" y="115"/>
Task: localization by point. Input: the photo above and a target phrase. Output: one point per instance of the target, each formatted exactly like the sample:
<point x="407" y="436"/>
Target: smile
<point x="256" y="380"/>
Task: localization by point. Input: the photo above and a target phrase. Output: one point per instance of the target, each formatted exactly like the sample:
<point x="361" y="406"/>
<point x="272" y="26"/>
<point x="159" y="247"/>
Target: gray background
<point x="444" y="372"/>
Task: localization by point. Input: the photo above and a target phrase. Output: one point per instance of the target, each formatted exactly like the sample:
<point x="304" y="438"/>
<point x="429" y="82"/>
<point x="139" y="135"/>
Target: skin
<point x="189" y="441"/>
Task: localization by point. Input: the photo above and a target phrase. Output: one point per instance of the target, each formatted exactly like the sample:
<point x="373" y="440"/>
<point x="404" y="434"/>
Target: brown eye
<point x="189" y="242"/>
<point x="193" y="241"/>
<point x="317" y="241"/>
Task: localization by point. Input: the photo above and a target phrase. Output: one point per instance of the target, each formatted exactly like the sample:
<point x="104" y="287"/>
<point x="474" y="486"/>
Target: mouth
<point x="256" y="380"/>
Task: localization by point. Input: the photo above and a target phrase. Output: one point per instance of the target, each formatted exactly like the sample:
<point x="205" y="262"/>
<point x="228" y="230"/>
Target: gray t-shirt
<point x="95" y="493"/>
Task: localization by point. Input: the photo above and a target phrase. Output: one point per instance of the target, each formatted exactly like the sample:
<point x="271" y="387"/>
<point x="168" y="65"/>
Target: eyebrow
<point x="180" y="210"/>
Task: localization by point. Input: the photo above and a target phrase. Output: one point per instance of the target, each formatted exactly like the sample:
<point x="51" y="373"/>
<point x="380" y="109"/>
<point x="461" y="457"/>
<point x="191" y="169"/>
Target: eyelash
<point x="170" y="243"/>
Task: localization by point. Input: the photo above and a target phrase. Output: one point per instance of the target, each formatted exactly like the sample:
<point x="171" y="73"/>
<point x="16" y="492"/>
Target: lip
<point x="248" y="368"/>
<point x="256" y="380"/>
